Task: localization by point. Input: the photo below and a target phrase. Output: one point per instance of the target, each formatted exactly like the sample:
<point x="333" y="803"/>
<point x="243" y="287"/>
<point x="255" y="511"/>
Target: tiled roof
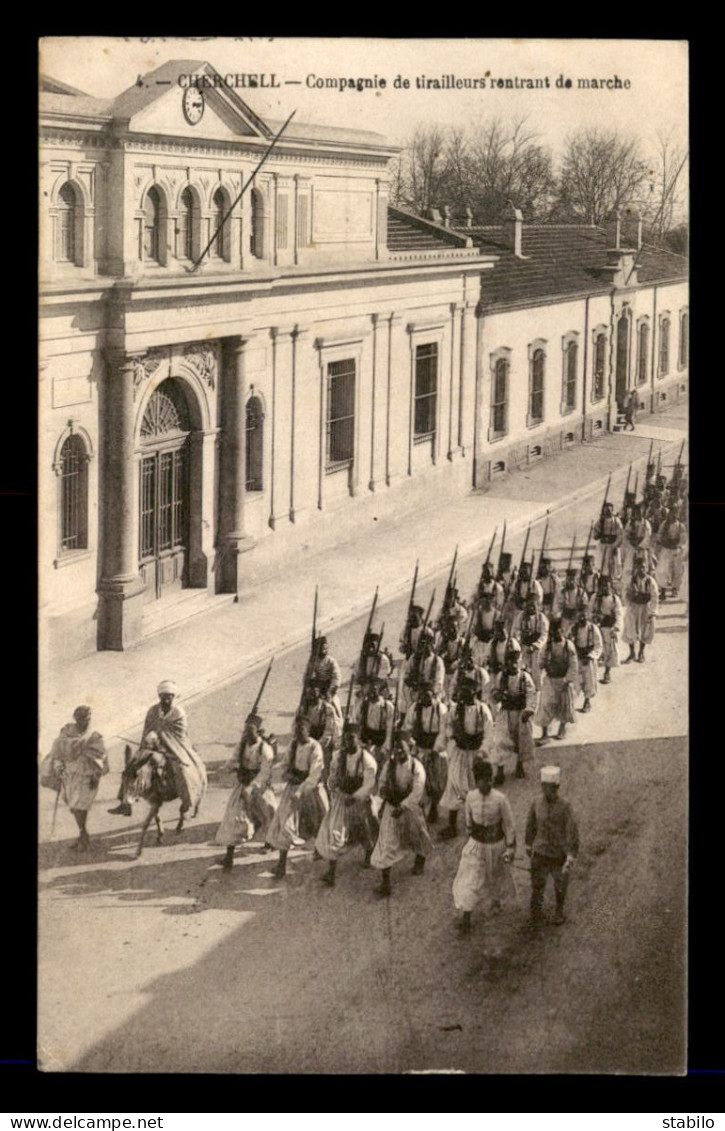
<point x="311" y="132"/>
<point x="561" y="259"/>
<point x="80" y="105"/>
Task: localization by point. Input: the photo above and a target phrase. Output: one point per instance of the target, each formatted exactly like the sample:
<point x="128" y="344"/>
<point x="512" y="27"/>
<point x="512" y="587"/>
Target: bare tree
<point x="663" y="205"/>
<point x="601" y="170"/>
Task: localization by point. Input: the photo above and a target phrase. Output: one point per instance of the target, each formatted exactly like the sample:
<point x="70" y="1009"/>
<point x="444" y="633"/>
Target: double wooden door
<point x="164" y="519"/>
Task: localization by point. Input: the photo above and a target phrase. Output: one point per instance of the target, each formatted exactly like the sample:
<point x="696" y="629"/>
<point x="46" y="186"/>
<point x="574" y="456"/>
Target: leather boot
<point x="384" y="890"/>
<point x="122" y="810"/>
<point x="418" y="865"/>
<point x="281" y="870"/>
<point x="329" y="876"/>
<point x="452" y="831"/>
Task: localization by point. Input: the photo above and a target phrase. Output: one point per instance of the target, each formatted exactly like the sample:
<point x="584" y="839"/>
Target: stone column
<point x="396" y="424"/>
<point x="235" y="541"/>
<point x="120" y="588"/>
<point x="469" y="362"/>
<point x="283" y="465"/>
<point x="303" y="451"/>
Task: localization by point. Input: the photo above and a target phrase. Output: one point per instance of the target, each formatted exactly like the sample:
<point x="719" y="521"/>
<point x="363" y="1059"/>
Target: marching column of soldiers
<point x="457" y="715"/>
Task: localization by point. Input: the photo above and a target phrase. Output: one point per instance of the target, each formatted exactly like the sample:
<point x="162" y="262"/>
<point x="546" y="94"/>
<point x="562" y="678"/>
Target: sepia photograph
<point x="363" y="485"/>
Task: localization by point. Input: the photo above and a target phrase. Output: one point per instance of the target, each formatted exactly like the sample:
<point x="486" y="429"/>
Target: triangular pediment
<point x="155" y="104"/>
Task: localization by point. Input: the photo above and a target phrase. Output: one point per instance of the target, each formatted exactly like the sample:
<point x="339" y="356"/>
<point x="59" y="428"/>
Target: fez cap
<point x="417" y="609"/>
<point x="550" y="775"/>
<point x="82" y="712"/>
<point x="482" y="769"/>
<point x="350" y="727"/>
<point x="254" y="720"/>
<point x="504" y="560"/>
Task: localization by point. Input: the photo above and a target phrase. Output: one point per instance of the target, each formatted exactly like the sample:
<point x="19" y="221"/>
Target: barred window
<point x="66" y="220"/>
<point x="220" y="228"/>
<point x="256" y="234"/>
<point x="684" y="339"/>
<point x="340" y="446"/>
<point x="642" y="353"/>
<point x="254" y="452"/>
<point x="570" y="360"/>
<point x="600" y="364"/>
<point x="73" y="495"/>
<point x="152" y="225"/>
<point x="664" y="347"/>
<point x="499" y="396"/>
<point x="188" y="222"/>
<point x="426" y="389"/>
<point x="536" y="387"/>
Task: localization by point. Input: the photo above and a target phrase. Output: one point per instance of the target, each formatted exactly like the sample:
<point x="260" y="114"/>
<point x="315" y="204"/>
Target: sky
<point x="656" y="70"/>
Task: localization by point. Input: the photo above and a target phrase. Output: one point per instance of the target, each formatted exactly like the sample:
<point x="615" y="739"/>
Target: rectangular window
<point x="664" y="347"/>
<point x="340" y="412"/>
<point x="600" y="361"/>
<point x="642" y="354"/>
<point x="426" y="389"/>
<point x="684" y="339"/>
<point x="499" y="397"/>
<point x="302" y="221"/>
<point x="570" y="360"/>
<point x="282" y="200"/>
<point x="536" y="387"/>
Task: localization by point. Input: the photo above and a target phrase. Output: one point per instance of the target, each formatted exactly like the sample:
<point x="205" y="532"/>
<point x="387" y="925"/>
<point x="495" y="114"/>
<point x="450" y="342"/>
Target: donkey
<point x="155" y="783"/>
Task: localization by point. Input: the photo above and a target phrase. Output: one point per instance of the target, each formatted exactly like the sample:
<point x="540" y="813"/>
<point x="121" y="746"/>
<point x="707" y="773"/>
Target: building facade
<point x="228" y="376"/>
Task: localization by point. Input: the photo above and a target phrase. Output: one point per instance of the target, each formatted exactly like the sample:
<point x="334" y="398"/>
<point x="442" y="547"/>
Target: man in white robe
<point x="470" y="737"/>
<point x="349" y="820"/>
<point x="587" y="639"/>
<point x="251" y="805"/>
<point x="304" y="802"/>
<point x="75" y="765"/>
<point x="607" y="612"/>
<point x="642" y="602"/>
<point x="402" y="824"/>
<point x="484" y="869"/>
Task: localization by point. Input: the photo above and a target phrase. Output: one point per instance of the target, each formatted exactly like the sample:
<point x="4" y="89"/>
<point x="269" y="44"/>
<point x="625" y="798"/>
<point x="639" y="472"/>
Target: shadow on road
<point x="331" y="981"/>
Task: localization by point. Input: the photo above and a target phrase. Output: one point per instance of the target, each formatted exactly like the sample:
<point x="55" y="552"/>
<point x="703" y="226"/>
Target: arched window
<point x="499" y="397"/>
<point x="569" y="377"/>
<point x="642" y="352"/>
<point x="220" y="229"/>
<point x="537" y="367"/>
<point x="664" y="366"/>
<point x="255" y="444"/>
<point x="73" y="495"/>
<point x="683" y="355"/>
<point x="152" y="226"/>
<point x="68" y="226"/>
<point x="188" y="226"/>
<point x="600" y="366"/>
<point x="256" y="239"/>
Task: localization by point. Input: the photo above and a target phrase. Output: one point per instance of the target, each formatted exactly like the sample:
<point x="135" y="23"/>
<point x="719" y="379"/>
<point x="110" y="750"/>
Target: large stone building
<point x="227" y="377"/>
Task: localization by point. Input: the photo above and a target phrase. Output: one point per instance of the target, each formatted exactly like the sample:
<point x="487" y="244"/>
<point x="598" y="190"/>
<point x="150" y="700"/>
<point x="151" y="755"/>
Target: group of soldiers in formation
<point x="442" y="727"/>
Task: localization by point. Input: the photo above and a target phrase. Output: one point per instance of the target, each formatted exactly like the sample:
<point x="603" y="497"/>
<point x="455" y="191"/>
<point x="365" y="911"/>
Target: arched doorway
<point x="164" y="495"/>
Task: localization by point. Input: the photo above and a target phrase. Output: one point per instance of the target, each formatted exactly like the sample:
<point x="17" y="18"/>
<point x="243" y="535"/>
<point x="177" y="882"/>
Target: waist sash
<point x="487" y="834"/>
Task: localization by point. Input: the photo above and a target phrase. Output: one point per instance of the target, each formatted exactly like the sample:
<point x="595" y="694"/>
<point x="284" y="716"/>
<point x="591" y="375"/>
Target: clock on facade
<point x="192" y="104"/>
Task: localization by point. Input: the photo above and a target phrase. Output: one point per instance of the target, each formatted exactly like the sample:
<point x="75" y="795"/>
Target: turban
<point x="551" y="775"/>
<point x="167" y="687"/>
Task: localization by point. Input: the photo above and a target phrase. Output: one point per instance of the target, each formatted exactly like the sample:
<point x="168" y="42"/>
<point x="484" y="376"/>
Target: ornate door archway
<point x="164" y="496"/>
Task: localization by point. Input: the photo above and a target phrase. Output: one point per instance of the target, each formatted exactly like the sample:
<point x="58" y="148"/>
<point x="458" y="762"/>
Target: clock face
<point x="193" y="105"/>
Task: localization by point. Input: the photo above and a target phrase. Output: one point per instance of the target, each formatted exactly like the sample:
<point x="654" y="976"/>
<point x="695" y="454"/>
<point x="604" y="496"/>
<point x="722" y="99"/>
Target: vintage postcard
<point x="363" y="480"/>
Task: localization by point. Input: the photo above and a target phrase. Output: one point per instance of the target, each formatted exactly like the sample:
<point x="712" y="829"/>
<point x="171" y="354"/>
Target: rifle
<point x="636" y="485"/>
<point x="448" y="596"/>
<point x="626" y="488"/>
<point x="659" y="462"/>
<point x="500" y="552"/>
<point x="526" y="546"/>
<point x="349" y="699"/>
<point x="571" y="553"/>
<point x="541" y="555"/>
<point x="649" y="461"/>
<point x="361" y="661"/>
<point x="491" y="544"/>
<point x="679" y="456"/>
<point x="408" y="626"/>
<point x="422" y="637"/>
<point x="606" y="492"/>
<point x="255" y="704"/>
<point x="313" y="655"/>
<point x="372" y="612"/>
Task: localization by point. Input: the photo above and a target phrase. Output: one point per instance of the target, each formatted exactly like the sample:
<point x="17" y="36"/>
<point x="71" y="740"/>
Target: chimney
<point x="513" y="227"/>
<point x="624" y="238"/>
<point x="631" y="229"/>
<point x="447" y="215"/>
<point x="614" y="231"/>
<point x="469" y="218"/>
<point x="434" y="215"/>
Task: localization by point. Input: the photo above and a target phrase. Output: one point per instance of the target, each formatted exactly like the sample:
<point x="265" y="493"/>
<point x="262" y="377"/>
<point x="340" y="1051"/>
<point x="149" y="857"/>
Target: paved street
<point x="292" y="977"/>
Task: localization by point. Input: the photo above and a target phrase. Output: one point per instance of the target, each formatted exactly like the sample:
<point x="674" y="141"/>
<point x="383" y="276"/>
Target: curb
<point x="338" y="620"/>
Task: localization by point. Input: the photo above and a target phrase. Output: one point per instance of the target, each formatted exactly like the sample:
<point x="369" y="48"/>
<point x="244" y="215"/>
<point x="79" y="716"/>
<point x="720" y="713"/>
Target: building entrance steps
<point x="216" y="648"/>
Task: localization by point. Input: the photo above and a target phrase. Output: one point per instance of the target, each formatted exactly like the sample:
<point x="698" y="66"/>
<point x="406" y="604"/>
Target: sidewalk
<point x="211" y="650"/>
